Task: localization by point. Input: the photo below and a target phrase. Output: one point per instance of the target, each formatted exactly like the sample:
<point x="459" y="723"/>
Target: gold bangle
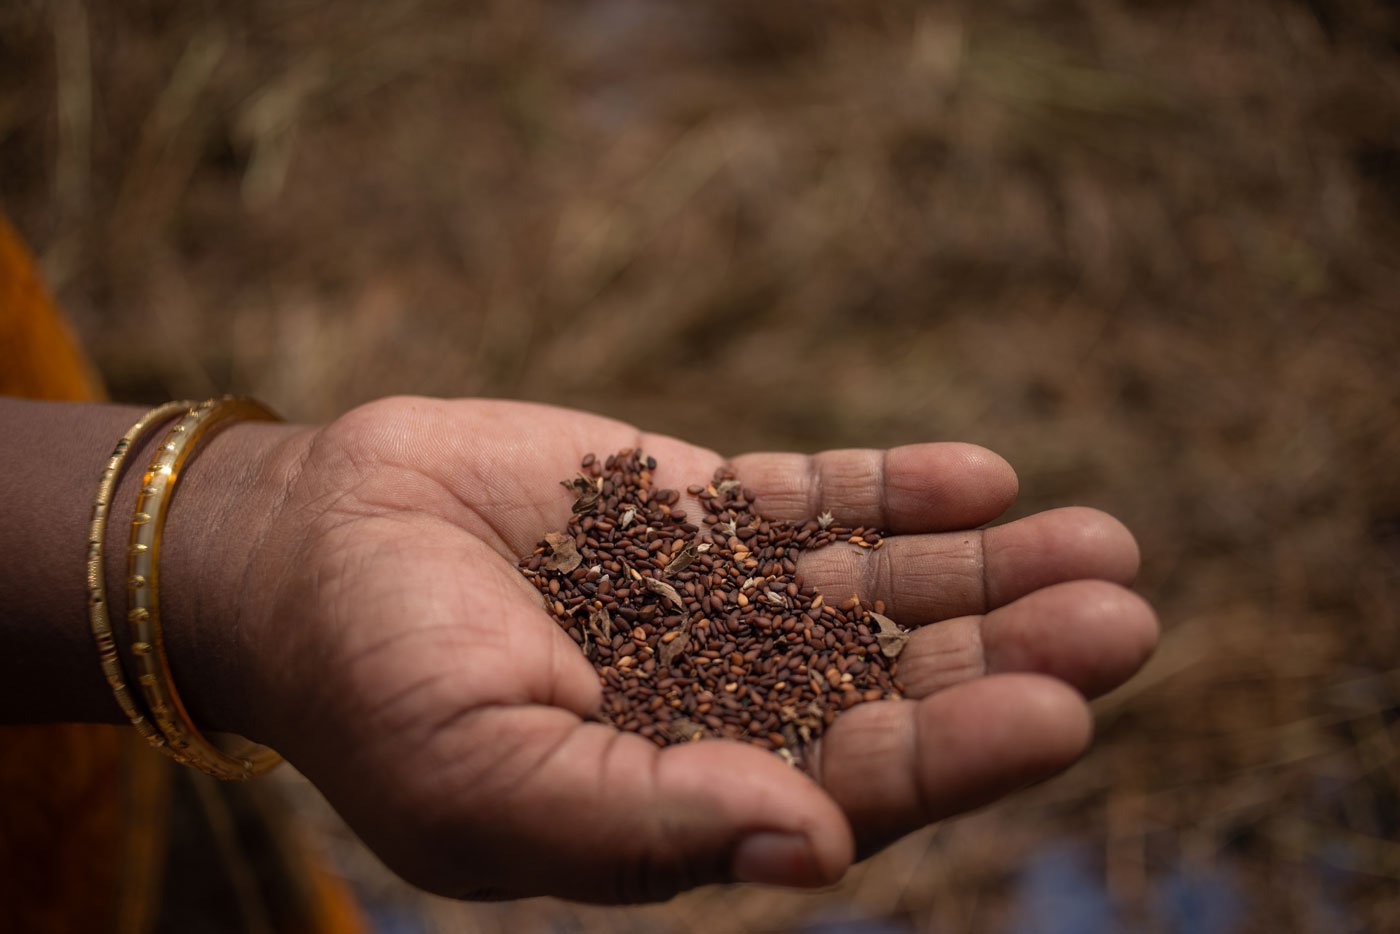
<point x="143" y="580"/>
<point x="98" y="619"/>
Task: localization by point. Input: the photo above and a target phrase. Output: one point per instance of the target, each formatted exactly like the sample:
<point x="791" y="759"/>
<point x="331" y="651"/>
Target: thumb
<point x="530" y="800"/>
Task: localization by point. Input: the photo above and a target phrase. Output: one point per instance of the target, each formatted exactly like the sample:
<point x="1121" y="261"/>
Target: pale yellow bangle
<point x="143" y="589"/>
<point x="98" y="618"/>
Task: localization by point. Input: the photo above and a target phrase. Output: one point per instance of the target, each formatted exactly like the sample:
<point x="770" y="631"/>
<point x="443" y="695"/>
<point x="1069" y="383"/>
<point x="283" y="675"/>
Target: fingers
<point x="895" y="766"/>
<point x="1053" y="546"/>
<point x="924" y="578"/>
<point x="1092" y="635"/>
<point x="915" y="488"/>
<point x="528" y="800"/>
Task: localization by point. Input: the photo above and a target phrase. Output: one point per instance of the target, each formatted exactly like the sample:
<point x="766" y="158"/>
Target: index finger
<point x="914" y="488"/>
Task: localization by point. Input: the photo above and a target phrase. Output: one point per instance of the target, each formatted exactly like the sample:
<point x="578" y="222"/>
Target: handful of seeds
<point x="700" y="632"/>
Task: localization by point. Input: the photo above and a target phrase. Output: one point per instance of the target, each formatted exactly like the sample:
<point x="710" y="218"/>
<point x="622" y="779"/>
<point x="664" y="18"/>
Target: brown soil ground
<point x="1148" y="251"/>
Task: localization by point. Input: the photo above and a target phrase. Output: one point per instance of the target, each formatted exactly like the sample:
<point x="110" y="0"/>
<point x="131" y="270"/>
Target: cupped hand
<point x="412" y="674"/>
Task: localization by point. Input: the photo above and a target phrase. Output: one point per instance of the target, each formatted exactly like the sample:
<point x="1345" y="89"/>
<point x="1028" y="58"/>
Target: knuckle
<point x="660" y="870"/>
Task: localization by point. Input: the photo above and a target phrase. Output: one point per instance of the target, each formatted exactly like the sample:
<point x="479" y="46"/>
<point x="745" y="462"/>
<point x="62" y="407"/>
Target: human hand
<point x="408" y="670"/>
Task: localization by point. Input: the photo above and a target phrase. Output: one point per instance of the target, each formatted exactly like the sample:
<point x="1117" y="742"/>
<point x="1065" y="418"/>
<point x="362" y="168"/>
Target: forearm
<point x="50" y="464"/>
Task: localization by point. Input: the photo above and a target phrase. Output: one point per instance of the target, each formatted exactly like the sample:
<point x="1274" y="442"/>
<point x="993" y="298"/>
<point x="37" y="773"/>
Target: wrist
<point x="214" y="568"/>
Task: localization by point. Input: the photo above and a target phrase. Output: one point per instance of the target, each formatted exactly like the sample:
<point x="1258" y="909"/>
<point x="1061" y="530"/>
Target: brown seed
<point x="774" y="644"/>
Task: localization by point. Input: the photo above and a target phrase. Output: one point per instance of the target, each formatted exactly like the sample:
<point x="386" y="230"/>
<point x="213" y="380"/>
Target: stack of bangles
<point x="157" y="713"/>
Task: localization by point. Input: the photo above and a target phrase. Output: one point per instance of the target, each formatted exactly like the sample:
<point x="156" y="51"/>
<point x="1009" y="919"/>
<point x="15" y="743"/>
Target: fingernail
<point x="777" y="859"/>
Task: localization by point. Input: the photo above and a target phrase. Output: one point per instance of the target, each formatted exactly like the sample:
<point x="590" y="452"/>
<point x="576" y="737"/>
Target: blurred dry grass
<point x="1148" y="251"/>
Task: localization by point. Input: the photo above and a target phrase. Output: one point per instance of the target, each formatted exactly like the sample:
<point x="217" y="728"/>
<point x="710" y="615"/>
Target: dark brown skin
<point x="348" y="595"/>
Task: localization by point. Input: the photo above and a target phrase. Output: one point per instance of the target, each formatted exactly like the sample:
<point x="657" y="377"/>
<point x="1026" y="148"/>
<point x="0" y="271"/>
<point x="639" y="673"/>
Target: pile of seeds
<point x="701" y="632"/>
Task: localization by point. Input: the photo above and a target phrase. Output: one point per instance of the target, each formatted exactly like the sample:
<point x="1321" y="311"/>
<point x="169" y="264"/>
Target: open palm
<point x="420" y="684"/>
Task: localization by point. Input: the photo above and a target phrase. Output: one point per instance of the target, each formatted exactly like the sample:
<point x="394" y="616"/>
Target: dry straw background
<point x="1148" y="251"/>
